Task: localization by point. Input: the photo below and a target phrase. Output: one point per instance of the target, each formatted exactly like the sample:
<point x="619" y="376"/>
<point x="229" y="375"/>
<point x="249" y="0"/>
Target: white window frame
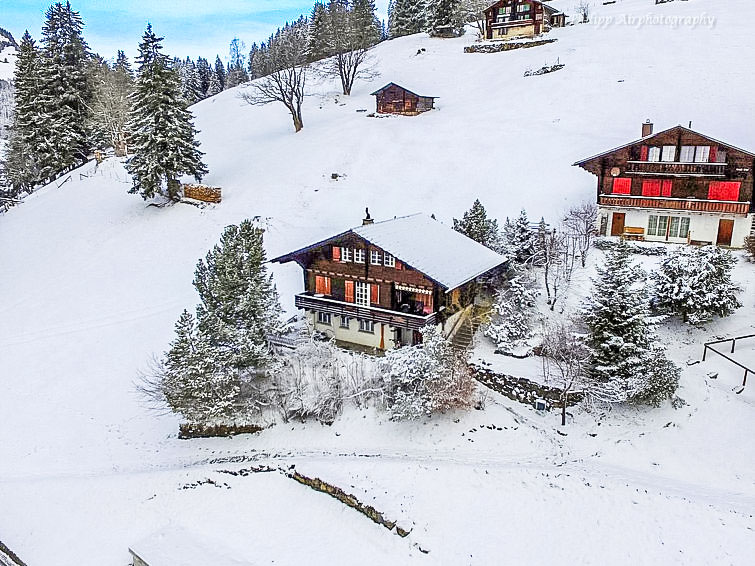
<point x="702" y="154"/>
<point x="324" y="318"/>
<point x="374" y="257"/>
<point x="652" y="225"/>
<point x="654" y="154"/>
<point x="345" y="322"/>
<point x="362" y="293"/>
<point x="669" y="153"/>
<point x="367" y="326"/>
<point x="345" y="254"/>
<point x="687" y="154"/>
<point x="358" y="255"/>
<point x="389" y="260"/>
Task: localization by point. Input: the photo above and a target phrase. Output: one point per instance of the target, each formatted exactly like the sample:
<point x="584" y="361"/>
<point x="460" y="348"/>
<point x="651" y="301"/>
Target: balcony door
<point x="617" y="223"/>
<point x="725" y="230"/>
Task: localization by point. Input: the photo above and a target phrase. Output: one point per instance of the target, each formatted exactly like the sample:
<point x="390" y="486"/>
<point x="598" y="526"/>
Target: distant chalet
<point x="375" y="286"/>
<point x="395" y="99"/>
<point x="676" y="186"/>
<point x="508" y="19"/>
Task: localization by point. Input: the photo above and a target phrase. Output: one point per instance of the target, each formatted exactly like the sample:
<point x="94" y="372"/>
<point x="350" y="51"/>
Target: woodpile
<point x="202" y="192"/>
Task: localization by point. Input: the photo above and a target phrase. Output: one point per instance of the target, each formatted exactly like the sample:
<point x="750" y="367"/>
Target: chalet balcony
<point x="398" y="319"/>
<point x="521" y="20"/>
<point x="682" y="204"/>
<point x="676" y="169"/>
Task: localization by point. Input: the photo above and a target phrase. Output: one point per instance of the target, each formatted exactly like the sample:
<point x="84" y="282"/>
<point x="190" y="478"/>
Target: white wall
<point x="352" y="334"/>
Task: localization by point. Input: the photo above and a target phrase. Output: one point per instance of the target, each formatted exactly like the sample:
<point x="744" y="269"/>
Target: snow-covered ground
<point x="7" y="62"/>
<point x="92" y="282"/>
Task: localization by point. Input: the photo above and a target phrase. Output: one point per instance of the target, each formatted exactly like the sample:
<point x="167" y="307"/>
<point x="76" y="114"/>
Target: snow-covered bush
<point x="425" y="379"/>
<point x="520" y="240"/>
<point x="626" y="363"/>
<point x="695" y="283"/>
<point x="513" y="311"/>
<point x="610" y="244"/>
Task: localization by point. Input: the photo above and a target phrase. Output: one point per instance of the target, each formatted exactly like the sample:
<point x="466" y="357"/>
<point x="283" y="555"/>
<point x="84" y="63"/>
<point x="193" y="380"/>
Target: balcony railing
<point x="689" y="205"/>
<point x="674" y="168"/>
<point x="340" y="308"/>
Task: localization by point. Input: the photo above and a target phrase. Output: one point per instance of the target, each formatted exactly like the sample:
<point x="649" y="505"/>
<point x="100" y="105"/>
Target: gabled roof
<point x="378" y="91"/>
<point x="427" y="245"/>
<point x="646" y="138"/>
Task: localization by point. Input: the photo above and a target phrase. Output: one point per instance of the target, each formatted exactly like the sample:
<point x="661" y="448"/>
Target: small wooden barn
<point x="395" y="99"/>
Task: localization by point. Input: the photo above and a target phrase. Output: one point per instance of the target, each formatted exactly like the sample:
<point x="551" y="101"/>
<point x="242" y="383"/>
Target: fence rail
<point x="709" y="346"/>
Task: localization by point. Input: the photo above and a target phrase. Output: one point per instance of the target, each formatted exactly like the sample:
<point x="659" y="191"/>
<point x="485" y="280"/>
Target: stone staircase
<point x="463" y="335"/>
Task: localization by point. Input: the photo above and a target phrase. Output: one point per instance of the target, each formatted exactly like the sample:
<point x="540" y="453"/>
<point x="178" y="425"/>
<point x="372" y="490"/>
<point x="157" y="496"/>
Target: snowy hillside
<point x="92" y="282"/>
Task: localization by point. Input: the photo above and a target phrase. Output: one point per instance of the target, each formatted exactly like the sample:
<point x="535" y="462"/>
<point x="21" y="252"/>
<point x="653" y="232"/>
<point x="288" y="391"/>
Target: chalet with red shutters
<point x="508" y="19"/>
<point x="377" y="285"/>
<point x="395" y="99"/>
<point x="675" y="186"/>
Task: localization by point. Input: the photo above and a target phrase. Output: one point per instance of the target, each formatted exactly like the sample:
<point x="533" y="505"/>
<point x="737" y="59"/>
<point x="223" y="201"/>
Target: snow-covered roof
<point x="402" y="88"/>
<point x="174" y="546"/>
<point x="427" y="245"/>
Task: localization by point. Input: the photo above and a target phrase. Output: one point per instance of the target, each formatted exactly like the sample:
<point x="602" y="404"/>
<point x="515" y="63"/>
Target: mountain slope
<point x="93" y="281"/>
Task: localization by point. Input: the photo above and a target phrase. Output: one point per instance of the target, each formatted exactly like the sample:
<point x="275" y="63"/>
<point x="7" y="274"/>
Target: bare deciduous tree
<point x="282" y="64"/>
<point x="583" y="9"/>
<point x="579" y="223"/>
<point x="474" y="12"/>
<point x="566" y="360"/>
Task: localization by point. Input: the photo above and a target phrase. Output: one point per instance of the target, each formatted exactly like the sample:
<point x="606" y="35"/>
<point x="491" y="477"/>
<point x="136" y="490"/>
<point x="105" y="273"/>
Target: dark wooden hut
<point x="395" y="99"/>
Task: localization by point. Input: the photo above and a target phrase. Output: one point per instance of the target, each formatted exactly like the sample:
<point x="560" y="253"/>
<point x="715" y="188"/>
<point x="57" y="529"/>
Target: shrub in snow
<point x="425" y="379"/>
<point x="520" y="241"/>
<point x="610" y="244"/>
<point x="695" y="283"/>
<point x="215" y="369"/>
<point x="513" y="312"/>
<point x="625" y="363"/>
<point x="750" y="247"/>
<point x="476" y="225"/>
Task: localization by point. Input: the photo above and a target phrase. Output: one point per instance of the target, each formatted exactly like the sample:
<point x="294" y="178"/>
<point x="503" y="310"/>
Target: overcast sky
<point x="190" y="27"/>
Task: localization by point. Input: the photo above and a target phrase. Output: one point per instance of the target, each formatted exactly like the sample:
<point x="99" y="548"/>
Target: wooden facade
<point x="395" y="99"/>
<point x="678" y="171"/>
<point x="507" y="19"/>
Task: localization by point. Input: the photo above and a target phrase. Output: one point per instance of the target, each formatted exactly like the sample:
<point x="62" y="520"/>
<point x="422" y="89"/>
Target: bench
<point x="633" y="233"/>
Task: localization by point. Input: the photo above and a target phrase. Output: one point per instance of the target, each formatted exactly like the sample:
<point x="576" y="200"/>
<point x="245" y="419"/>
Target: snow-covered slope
<point x="92" y="282"/>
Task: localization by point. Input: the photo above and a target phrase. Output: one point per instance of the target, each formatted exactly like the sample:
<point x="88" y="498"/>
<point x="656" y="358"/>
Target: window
<point x="362" y="293"/>
<point x="523" y="8"/>
<point x="654" y="154"/>
<point x="662" y="225"/>
<point x="720" y="157"/>
<point x="374" y="257"/>
<point x="668" y="226"/>
<point x="389" y="260"/>
<point x="688" y="154"/>
<point x="652" y="225"/>
<point x="323" y="317"/>
<point x="684" y="228"/>
<point x="366" y="326"/>
<point x="702" y="154"/>
<point x="358" y="255"/>
<point x="336" y="253"/>
<point x="622" y="186"/>
<point x="669" y="153"/>
<point x="345" y="254"/>
<point x="349" y="291"/>
<point x="345" y="322"/>
<point x="724" y="190"/>
<point x="673" y="231"/>
<point x="322" y="285"/>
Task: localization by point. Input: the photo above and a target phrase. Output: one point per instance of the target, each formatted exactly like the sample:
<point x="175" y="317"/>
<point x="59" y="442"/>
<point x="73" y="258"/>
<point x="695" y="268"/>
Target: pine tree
<point x="191" y="89"/>
<point x="696" y="284"/>
<point x="407" y="17"/>
<point x="166" y="148"/>
<point x="620" y="335"/>
<point x="319" y="33"/>
<point x="215" y="86"/>
<point x="520" y="241"/>
<point x="204" y="72"/>
<point x="220" y="72"/>
<point x="64" y="91"/>
<point x="253" y="53"/>
<point x="513" y="313"/>
<point x="365" y="25"/>
<point x="122" y="64"/>
<point x="22" y="167"/>
<point x="445" y="17"/>
<point x="476" y="225"/>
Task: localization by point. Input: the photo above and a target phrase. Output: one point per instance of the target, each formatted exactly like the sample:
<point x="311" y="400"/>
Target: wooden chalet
<point x="675" y="186"/>
<point x="395" y="99"/>
<point x="508" y="19"/>
<point x="377" y="285"/>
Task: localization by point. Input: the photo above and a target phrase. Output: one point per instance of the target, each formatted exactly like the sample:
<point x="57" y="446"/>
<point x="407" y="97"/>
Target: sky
<point x="190" y="27"/>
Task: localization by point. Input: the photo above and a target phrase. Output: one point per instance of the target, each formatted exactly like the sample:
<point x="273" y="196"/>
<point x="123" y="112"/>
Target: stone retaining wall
<point x="523" y="390"/>
<point x="504" y="46"/>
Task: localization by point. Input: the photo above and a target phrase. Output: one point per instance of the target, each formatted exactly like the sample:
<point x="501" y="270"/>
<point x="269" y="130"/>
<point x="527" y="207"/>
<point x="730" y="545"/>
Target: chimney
<point x="647" y="128"/>
<point x="367" y="219"/>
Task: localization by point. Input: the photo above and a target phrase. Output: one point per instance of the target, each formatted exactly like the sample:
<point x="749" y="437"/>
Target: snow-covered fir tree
<point x="476" y="225"/>
<point x="215" y="366"/>
<point x="191" y="88"/>
<point x="696" y="284"/>
<point x="22" y="167"/>
<point x="64" y="91"/>
<point x="215" y="86"/>
<point x="364" y="23"/>
<point x="220" y="72"/>
<point x="425" y="379"/>
<point x="520" y="241"/>
<point x="204" y="72"/>
<point x="513" y="313"/>
<point x="319" y="32"/>
<point x="626" y="364"/>
<point x="163" y="149"/>
<point x="407" y="17"/>
<point x="111" y="102"/>
<point x="445" y="17"/>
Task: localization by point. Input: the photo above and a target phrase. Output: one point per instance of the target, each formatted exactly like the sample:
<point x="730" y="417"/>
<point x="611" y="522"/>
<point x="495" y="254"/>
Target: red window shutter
<point x="713" y="154"/>
<point x="349" y="291"/>
<point x="666" y="188"/>
<point x="622" y="186"/>
<point x="336" y="253"/>
<point x="322" y="285"/>
<point x="724" y="190"/>
<point x="399" y="265"/>
<point x="375" y="294"/>
<point x="644" y="153"/>
<point x="651" y="188"/>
